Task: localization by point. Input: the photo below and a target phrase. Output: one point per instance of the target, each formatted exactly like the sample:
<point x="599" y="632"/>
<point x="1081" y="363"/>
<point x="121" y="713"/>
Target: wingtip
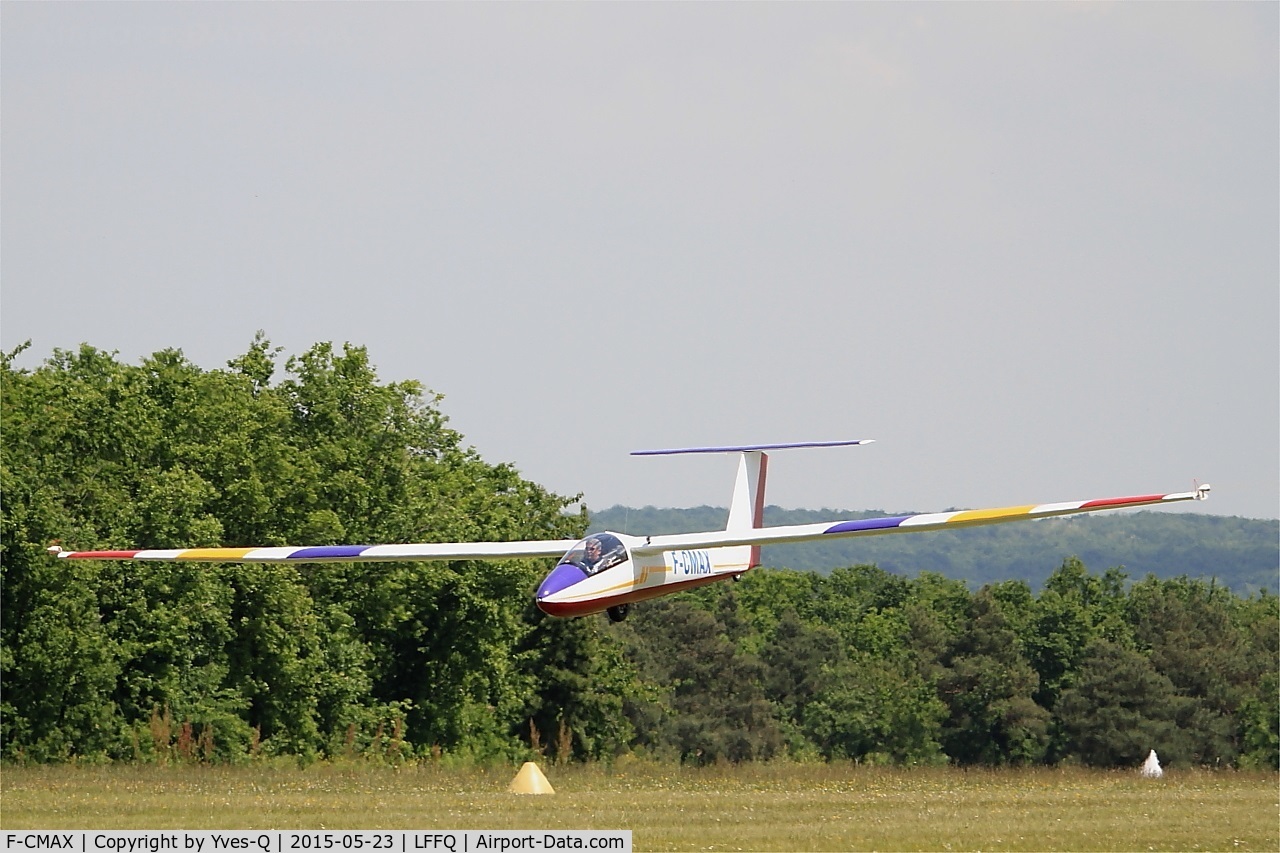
<point x="54" y="550"/>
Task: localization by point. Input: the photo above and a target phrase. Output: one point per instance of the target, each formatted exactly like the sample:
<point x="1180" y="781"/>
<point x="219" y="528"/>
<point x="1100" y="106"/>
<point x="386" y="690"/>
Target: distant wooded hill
<point x="1241" y="553"/>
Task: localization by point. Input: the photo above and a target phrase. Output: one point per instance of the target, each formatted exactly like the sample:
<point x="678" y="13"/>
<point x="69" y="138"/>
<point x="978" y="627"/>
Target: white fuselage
<point x="570" y="591"/>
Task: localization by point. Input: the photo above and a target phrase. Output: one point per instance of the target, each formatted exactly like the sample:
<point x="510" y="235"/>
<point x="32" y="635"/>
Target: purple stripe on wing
<point x="886" y="523"/>
<point x="330" y="551"/>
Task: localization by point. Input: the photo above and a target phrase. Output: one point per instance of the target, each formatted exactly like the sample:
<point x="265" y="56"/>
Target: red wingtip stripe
<point x="101" y="555"/>
<point x="1121" y="501"/>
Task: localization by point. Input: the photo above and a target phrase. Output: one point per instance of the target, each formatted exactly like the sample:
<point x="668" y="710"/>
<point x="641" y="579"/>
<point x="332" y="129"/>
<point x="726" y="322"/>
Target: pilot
<point x="597" y="559"/>
<point x="593" y="554"/>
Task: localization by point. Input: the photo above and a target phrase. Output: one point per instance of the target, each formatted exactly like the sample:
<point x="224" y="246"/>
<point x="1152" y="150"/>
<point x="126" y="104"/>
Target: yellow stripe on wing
<point x="213" y="554"/>
<point x="972" y="515"/>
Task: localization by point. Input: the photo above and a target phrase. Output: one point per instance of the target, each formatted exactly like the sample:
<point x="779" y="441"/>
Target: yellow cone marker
<point x="530" y="781"/>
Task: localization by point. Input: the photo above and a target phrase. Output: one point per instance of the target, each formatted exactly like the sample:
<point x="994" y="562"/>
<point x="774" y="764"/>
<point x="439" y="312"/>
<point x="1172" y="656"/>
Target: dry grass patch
<point x="750" y="807"/>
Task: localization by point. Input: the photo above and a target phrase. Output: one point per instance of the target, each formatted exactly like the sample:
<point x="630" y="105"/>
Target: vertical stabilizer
<point x="746" y="510"/>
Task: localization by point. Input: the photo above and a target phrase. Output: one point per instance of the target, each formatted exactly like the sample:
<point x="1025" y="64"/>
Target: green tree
<point x="1258" y="620"/>
<point x="848" y="595"/>
<point x="799" y="659"/>
<point x="290" y="659"/>
<point x="580" y="677"/>
<point x="718" y="711"/>
<point x="988" y="686"/>
<point x="872" y="710"/>
<point x="766" y="595"/>
<point x="1121" y="707"/>
<point x="1186" y="629"/>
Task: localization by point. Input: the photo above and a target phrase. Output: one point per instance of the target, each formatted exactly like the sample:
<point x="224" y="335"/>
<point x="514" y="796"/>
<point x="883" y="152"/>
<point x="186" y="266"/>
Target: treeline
<point x="111" y="659"/>
<point x="866" y="665"/>
<point x="389" y="661"/>
<point x="1241" y="553"/>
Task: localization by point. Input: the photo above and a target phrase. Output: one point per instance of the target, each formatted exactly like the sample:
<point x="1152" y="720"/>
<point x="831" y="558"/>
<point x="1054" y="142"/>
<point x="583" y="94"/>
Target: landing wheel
<point x="618" y="612"/>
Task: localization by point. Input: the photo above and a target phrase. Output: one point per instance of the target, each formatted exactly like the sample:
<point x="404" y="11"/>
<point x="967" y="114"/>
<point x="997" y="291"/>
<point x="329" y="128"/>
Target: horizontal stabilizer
<point x="749" y="448"/>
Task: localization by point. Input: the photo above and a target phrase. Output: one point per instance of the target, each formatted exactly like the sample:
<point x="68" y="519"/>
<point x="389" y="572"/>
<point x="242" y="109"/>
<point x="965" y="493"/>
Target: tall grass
<point x="746" y="807"/>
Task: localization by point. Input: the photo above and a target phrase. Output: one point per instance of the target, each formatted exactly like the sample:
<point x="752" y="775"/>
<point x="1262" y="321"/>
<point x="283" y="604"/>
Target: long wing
<point x="901" y="523"/>
<point x="655" y="544"/>
<point x="338" y="553"/>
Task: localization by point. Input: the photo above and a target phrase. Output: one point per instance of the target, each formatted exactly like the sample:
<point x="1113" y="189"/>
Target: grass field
<point x="750" y="807"/>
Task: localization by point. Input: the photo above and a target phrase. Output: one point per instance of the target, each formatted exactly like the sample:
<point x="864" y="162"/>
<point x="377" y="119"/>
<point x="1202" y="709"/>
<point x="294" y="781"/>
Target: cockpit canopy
<point x="595" y="553"/>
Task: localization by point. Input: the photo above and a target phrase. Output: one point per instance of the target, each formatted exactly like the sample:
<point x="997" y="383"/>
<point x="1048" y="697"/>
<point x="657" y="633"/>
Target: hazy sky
<point x="1031" y="249"/>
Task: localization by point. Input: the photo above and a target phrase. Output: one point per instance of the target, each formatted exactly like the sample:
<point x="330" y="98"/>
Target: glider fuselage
<point x="575" y="587"/>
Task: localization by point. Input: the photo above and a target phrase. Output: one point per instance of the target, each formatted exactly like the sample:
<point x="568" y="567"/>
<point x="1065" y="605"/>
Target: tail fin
<point x="746" y="510"/>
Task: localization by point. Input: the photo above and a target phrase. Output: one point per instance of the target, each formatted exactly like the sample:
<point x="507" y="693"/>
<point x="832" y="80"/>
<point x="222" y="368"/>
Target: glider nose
<point x="562" y="577"/>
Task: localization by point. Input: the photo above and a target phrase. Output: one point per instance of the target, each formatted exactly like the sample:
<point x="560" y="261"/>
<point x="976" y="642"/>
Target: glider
<point x="610" y="571"/>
